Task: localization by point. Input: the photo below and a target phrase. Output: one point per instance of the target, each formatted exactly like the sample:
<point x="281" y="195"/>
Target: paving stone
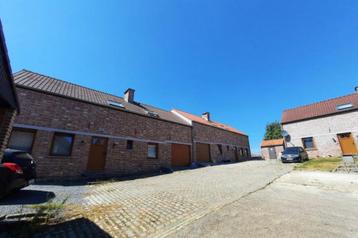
<point x="153" y="206"/>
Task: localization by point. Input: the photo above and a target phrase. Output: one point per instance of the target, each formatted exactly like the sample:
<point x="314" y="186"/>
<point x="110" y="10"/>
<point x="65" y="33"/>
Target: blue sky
<point x="243" y="61"/>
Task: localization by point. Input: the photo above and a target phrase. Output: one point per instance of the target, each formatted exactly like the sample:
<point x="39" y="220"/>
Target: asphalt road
<point x="299" y="204"/>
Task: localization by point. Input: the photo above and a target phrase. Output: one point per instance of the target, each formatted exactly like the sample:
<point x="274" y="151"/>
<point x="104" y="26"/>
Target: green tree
<point x="273" y="131"/>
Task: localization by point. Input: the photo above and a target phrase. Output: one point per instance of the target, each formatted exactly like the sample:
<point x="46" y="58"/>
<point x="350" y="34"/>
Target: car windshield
<point x="291" y="150"/>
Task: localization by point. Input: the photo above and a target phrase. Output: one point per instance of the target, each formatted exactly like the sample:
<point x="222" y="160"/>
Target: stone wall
<point x="324" y="132"/>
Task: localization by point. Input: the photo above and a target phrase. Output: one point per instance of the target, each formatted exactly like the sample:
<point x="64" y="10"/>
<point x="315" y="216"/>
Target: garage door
<point x="202" y="152"/>
<point x="180" y="155"/>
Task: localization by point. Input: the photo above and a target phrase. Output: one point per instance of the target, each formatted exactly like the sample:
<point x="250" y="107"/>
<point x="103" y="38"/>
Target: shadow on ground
<point x="27" y="197"/>
<point x="80" y="227"/>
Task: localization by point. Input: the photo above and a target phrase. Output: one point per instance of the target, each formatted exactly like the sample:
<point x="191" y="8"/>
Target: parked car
<point x="17" y="170"/>
<point x="11" y="178"/>
<point x="293" y="155"/>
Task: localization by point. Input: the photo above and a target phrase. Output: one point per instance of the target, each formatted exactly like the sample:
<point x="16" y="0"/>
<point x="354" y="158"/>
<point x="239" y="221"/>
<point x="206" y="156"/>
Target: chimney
<point x="206" y="116"/>
<point x="129" y="95"/>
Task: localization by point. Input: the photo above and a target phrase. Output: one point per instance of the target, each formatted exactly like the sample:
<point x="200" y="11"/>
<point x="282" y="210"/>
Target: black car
<point x="293" y="155"/>
<point x="17" y="170"/>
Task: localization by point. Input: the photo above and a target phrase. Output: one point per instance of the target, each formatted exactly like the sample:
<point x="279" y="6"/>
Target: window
<point x="220" y="147"/>
<point x="152" y="151"/>
<point x="22" y="139"/>
<point x="241" y="152"/>
<point x="62" y="144"/>
<point x="152" y="114"/>
<point x="308" y="143"/>
<point x="344" y="106"/>
<point x="115" y="104"/>
<point x="227" y="148"/>
<point x="129" y="145"/>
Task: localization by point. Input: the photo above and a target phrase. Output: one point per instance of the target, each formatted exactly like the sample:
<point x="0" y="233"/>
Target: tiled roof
<point x="320" y="109"/>
<point x="35" y="81"/>
<point x="200" y="120"/>
<point x="268" y="143"/>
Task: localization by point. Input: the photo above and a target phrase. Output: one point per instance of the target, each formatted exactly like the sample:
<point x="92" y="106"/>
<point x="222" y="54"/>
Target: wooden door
<point x="347" y="144"/>
<point x="203" y="152"/>
<point x="236" y="154"/>
<point x="180" y="155"/>
<point x="272" y="153"/>
<point x="97" y="154"/>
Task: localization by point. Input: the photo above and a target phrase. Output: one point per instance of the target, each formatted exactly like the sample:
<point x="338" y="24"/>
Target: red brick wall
<point x="39" y="109"/>
<point x="7" y="117"/>
<point x="215" y="136"/>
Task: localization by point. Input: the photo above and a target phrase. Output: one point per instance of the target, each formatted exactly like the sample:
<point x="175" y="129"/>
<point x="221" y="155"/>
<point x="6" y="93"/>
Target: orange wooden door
<point x="97" y="154"/>
<point x="180" y="155"/>
<point x="347" y="144"/>
<point x="202" y="152"/>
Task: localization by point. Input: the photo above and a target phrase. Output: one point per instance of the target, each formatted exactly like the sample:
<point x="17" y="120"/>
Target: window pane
<point x="152" y="151"/>
<point x="21" y="140"/>
<point x="62" y="144"/>
<point x="129" y="144"/>
<point x="308" y="142"/>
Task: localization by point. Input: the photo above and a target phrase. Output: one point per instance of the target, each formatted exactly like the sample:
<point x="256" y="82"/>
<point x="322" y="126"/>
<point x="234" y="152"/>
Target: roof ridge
<point x="67" y="82"/>
<point x="319" y="102"/>
<point x="196" y="116"/>
<point x="213" y="122"/>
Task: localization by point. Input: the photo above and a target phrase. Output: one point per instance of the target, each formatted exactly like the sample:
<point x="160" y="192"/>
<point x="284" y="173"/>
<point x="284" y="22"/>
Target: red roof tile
<point x="34" y="81"/>
<point x="269" y="143"/>
<point x="200" y="120"/>
<point x="320" y="109"/>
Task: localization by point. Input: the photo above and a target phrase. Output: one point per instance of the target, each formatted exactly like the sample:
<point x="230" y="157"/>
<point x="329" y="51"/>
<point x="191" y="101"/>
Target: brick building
<point x="272" y="149"/>
<point x="327" y="128"/>
<point x="214" y="141"/>
<point x="72" y="130"/>
<point x="8" y="98"/>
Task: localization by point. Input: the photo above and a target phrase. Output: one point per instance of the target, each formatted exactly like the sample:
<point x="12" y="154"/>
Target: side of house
<point x="328" y="128"/>
<point x="8" y="99"/>
<point x="70" y="133"/>
<point x="73" y="131"/>
<point x="215" y="142"/>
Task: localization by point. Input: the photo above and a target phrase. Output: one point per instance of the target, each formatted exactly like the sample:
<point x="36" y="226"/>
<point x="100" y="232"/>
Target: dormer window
<point x="152" y="114"/>
<point x="115" y="104"/>
<point x="344" y="106"/>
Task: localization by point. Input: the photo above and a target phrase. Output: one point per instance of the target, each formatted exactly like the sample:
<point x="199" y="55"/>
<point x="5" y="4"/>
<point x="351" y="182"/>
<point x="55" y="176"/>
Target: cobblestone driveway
<point x="157" y="206"/>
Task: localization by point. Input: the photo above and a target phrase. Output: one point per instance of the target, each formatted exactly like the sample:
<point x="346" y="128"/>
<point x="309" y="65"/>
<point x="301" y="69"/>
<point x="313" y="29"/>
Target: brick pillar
<point x="7" y="117"/>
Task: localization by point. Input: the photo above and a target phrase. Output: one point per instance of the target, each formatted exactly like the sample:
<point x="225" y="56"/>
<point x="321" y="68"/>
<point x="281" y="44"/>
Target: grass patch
<point x="42" y="216"/>
<point x="49" y="212"/>
<point x="320" y="164"/>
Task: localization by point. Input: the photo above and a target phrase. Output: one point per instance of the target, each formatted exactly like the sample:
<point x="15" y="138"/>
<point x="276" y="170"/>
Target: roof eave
<point x="317" y="117"/>
<point x="8" y="67"/>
